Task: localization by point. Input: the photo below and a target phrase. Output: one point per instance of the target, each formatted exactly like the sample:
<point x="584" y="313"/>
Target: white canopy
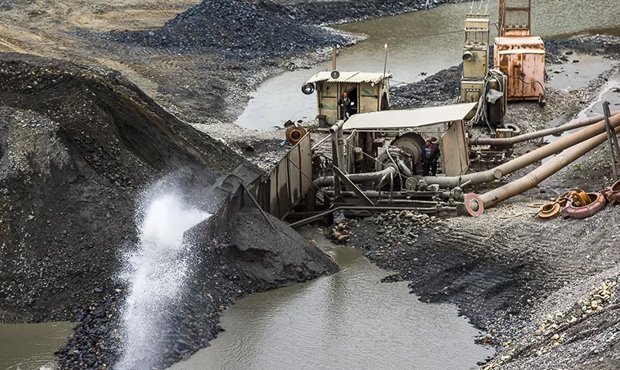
<point x="397" y="119"/>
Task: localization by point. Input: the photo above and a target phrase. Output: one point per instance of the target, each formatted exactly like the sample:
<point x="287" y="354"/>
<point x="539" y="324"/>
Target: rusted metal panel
<point x="273" y="192"/>
<point x="283" y="191"/>
<point x="290" y="180"/>
<point x="305" y="161"/>
<point x="293" y="175"/>
<point x="454" y="153"/>
<point x="522" y="59"/>
<point x="515" y="18"/>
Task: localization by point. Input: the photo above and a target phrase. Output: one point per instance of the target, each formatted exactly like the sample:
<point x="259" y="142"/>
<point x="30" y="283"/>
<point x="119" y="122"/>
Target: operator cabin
<point x="369" y="92"/>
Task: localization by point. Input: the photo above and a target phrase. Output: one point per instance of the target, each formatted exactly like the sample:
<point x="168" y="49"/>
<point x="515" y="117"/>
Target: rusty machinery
<point x="518" y="54"/>
<point x="479" y="83"/>
<point x="376" y="158"/>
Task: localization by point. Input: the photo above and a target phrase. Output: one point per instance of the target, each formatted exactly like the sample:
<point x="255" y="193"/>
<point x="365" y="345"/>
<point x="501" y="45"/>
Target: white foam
<point x="155" y="275"/>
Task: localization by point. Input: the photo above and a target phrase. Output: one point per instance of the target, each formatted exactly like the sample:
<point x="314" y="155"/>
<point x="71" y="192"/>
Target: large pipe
<point x="576" y="123"/>
<point x="476" y="204"/>
<point x="358" y="178"/>
<point x="526" y="159"/>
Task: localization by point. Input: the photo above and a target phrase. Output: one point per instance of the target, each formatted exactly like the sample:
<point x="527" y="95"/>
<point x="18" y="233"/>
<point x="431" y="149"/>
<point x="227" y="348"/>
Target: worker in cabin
<point x="430" y="156"/>
<point x="345" y="104"/>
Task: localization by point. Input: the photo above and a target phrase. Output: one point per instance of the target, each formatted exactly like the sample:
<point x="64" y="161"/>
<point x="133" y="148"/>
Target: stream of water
<point x="155" y="275"/>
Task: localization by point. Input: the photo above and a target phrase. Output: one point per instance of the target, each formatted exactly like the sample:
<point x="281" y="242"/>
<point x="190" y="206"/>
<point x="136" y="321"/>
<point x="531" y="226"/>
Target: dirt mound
<point x="345" y="10"/>
<point x="234" y="27"/>
<point x="76" y="147"/>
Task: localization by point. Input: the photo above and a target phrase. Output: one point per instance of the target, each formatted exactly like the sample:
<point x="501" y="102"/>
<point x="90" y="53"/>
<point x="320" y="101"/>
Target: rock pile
<point x="345" y="10"/>
<point x="234" y="27"/>
<point x="404" y="226"/>
<point x="440" y="88"/>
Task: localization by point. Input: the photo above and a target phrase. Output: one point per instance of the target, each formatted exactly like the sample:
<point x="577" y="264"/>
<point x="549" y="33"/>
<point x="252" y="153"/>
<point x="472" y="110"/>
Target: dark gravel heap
<point x="234" y="27"/>
<point x="76" y="147"/>
<point x="346" y="10"/>
<point x="438" y="89"/>
<point x="248" y="258"/>
<point x="591" y="44"/>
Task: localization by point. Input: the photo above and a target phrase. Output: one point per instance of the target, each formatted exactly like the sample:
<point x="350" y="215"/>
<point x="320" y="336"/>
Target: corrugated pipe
<point x="357" y="178"/>
<point x="476" y="204"/>
<point x="526" y="159"/>
<point x="576" y="123"/>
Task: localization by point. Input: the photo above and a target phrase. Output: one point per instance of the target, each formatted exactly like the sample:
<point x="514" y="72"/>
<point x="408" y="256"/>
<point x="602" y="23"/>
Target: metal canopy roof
<point x="408" y="118"/>
<point x="351" y="77"/>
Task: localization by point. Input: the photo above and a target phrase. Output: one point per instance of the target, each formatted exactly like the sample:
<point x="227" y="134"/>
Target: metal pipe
<point x="327" y="137"/>
<point x="401" y="194"/>
<point x="576" y="123"/>
<point x="526" y="159"/>
<point x="358" y="178"/>
<point x="476" y="204"/>
<point x="613" y="141"/>
<point x="335" y="159"/>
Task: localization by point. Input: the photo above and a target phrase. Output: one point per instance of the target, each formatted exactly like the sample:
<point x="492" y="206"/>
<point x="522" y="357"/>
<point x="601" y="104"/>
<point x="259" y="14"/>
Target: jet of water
<point x="155" y="274"/>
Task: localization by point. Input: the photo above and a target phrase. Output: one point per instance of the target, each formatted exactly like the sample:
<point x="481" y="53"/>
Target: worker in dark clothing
<point x="430" y="156"/>
<point x="345" y="104"/>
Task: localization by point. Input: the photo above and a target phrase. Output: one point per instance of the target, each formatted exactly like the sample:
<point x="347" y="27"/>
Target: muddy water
<point x="349" y="320"/>
<point x="418" y="43"/>
<point x="32" y="346"/>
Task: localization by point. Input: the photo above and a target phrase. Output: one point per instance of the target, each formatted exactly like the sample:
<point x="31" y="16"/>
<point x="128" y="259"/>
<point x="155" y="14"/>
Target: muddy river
<point x="349" y="320"/>
<point x="32" y="346"/>
<point x="419" y="44"/>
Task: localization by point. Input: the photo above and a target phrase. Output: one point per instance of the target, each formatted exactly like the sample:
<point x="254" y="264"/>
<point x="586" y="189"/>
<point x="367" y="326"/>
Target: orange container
<point x="522" y="59"/>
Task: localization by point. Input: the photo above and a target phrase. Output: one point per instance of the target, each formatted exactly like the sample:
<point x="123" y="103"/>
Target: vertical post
<point x="334" y="51"/>
<point x="502" y="11"/>
<point x="529" y="17"/>
<point x="342" y="161"/>
<point x="335" y="156"/>
<point x="613" y="141"/>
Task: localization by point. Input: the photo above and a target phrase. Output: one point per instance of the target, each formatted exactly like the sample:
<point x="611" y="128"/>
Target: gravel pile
<point x="234" y="27"/>
<point x="346" y="10"/>
<point x="439" y="89"/>
<point x="592" y="44"/>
